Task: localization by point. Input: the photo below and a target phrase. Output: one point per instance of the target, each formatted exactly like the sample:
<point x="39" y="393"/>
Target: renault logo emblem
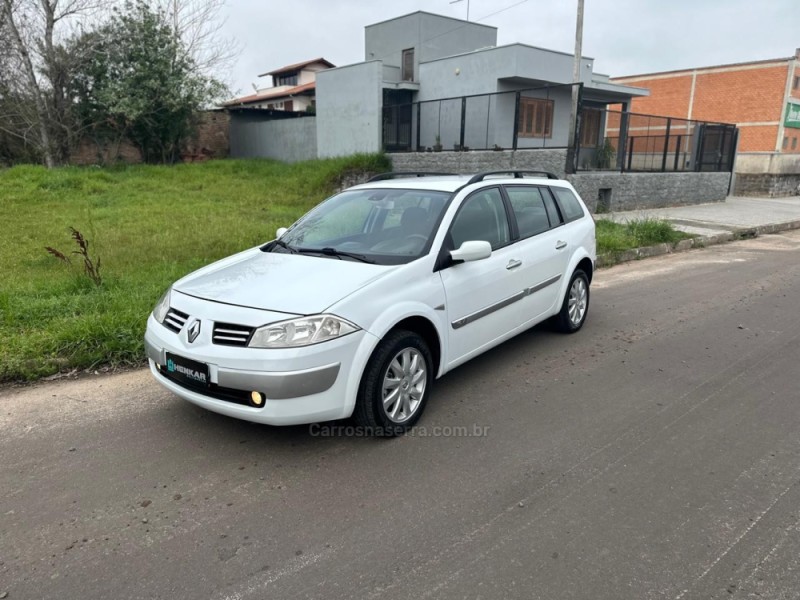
<point x="194" y="331"/>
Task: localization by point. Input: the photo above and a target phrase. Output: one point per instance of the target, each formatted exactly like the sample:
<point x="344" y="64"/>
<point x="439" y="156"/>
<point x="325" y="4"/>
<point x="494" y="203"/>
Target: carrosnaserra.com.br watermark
<point x="337" y="430"/>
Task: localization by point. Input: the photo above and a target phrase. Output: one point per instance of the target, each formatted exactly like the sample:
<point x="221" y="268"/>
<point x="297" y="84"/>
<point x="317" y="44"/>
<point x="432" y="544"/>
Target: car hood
<point x="289" y="283"/>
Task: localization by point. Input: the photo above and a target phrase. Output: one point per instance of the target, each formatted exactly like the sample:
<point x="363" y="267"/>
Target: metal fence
<point x="477" y="122"/>
<point x="539" y="117"/>
<point x="624" y="141"/>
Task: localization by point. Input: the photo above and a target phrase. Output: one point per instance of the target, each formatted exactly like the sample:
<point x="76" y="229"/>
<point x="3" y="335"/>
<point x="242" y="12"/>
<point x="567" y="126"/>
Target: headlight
<point x="160" y="311"/>
<point x="301" y="332"/>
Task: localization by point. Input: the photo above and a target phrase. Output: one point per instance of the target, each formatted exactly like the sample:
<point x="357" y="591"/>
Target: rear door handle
<point x="513" y="264"/>
<point x="560" y="244"/>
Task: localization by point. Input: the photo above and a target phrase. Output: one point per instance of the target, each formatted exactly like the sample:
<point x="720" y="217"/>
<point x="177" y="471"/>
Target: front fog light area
<point x="301" y="332"/>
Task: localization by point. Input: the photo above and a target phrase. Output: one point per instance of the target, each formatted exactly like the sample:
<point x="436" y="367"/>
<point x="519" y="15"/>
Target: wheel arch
<point x="585" y="265"/>
<point x="427" y="331"/>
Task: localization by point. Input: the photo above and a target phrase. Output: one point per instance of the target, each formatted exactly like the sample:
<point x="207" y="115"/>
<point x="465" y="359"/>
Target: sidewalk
<point x="736" y="214"/>
<point x="736" y="218"/>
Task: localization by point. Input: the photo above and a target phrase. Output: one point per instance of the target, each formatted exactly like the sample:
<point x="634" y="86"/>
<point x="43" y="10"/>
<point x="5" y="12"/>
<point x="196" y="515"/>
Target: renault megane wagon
<point x="379" y="290"/>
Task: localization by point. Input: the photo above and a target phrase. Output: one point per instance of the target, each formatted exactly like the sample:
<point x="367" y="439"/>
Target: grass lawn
<point x="149" y="225"/>
<point x="613" y="238"/>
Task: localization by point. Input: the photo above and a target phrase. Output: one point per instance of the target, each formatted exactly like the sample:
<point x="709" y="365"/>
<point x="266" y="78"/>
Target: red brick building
<point x="762" y="98"/>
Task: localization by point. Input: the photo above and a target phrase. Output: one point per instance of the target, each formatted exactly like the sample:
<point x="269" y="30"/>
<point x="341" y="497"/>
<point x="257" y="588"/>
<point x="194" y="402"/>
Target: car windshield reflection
<point x="382" y="226"/>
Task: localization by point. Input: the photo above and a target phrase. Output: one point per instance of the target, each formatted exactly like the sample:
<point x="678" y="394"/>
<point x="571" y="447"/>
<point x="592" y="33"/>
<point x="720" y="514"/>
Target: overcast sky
<point x="625" y="37"/>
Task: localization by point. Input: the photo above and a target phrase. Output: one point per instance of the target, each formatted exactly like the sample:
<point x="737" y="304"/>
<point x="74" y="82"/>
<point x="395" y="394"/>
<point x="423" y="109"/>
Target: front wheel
<point x="395" y="385"/>
<point x="573" y="311"/>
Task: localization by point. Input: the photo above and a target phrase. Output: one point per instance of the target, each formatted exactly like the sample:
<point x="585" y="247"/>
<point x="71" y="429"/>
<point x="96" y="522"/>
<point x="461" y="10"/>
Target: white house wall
<point x="349" y="101"/>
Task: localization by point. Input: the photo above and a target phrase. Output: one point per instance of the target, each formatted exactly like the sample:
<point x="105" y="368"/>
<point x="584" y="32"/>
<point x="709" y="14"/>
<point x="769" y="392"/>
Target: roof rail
<point x="516" y="173"/>
<point x="396" y="174"/>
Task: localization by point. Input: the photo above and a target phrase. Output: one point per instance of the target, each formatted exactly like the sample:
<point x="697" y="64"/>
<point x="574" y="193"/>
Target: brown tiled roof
<point x="295" y="91"/>
<point x="299" y="66"/>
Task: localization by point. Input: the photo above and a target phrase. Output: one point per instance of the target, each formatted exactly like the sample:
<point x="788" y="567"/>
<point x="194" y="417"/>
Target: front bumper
<point x="300" y="385"/>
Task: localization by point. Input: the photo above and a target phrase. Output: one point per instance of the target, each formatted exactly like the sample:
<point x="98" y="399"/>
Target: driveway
<point x="655" y="454"/>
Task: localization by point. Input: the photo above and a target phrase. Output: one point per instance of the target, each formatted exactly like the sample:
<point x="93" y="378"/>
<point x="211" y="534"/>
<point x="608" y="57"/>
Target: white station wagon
<point x="356" y="308"/>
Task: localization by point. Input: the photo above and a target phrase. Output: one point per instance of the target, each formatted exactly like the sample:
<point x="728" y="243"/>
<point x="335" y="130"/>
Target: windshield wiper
<point x="328" y="251"/>
<point x="270" y="246"/>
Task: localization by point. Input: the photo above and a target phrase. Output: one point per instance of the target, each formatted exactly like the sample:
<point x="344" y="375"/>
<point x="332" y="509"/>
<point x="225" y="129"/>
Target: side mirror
<point x="472" y="250"/>
<point x="280" y="232"/>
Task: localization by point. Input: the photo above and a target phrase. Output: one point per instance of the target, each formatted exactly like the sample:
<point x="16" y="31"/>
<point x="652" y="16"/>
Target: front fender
<point x="387" y="321"/>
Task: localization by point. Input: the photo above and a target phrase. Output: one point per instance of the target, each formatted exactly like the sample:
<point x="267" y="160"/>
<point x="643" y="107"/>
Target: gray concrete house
<point x="454" y="72"/>
<point x="438" y="94"/>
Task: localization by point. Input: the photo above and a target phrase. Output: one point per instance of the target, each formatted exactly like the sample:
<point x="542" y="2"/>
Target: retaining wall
<point x="630" y="191"/>
<point x="627" y="190"/>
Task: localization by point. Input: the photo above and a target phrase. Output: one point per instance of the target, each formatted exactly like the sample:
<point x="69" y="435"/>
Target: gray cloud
<point x="624" y="36"/>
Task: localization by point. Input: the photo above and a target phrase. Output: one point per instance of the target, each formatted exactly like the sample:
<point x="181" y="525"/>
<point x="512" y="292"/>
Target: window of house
<point x="796" y="85"/>
<point x="535" y="118"/>
<point x="785" y="142"/>
<point x="407" y="65"/>
<point x="794" y="143"/>
<point x="286" y="80"/>
<point x="590" y="127"/>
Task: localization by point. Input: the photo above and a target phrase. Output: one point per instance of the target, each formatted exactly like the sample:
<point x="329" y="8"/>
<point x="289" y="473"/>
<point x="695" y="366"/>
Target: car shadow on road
<point x="483" y="370"/>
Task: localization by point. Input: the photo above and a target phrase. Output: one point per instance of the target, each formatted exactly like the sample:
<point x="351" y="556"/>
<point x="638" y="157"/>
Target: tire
<point x="401" y="366"/>
<point x="575" y="307"/>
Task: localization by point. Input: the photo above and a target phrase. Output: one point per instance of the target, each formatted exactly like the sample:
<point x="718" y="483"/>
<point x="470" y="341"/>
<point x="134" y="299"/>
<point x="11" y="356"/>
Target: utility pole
<point x="576" y="77"/>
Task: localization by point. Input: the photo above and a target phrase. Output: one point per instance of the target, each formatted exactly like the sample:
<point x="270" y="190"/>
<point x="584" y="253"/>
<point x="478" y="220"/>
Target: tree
<point x="141" y="82"/>
<point x="54" y="88"/>
<point x="36" y="71"/>
<point x="198" y="25"/>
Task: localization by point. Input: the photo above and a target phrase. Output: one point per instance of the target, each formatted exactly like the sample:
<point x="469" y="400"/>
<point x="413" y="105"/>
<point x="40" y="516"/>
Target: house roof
<point x="298" y="66"/>
<point x="268" y="95"/>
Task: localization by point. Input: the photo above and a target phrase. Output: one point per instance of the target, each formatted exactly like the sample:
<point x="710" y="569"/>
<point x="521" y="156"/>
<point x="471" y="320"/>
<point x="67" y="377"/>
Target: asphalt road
<point x="656" y="454"/>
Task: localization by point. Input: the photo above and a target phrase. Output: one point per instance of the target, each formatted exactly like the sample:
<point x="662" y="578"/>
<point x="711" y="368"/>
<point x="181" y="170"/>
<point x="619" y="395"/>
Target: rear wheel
<point x="395" y="385"/>
<point x="573" y="311"/>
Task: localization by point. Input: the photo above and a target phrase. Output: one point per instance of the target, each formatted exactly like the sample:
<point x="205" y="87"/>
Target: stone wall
<point x="477" y="161"/>
<point x="629" y="191"/>
<point x="767" y="184"/>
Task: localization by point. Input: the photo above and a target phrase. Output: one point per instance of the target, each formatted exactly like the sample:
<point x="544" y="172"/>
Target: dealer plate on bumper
<point x="185" y="369"/>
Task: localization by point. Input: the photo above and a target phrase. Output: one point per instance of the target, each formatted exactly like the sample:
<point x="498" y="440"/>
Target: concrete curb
<point x="608" y="260"/>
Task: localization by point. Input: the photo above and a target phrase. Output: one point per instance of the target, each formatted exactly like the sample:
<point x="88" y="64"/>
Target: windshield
<point x="384" y="226"/>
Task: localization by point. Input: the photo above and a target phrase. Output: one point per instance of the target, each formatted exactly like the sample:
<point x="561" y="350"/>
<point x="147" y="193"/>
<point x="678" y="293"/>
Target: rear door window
<point x="529" y="209"/>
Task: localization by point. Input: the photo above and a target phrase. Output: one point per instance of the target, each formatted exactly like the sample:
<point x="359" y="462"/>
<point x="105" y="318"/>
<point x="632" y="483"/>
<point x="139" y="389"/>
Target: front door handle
<point x="560" y="244"/>
<point x="513" y="264"/>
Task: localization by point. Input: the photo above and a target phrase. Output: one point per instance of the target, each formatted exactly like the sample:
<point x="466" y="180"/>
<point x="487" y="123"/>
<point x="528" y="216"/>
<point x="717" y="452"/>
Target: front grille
<point x="228" y="334"/>
<point x="175" y="320"/>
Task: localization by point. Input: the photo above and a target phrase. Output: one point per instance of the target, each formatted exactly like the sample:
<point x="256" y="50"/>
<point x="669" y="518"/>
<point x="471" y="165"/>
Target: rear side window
<point x="552" y="209"/>
<point x="529" y="210"/>
<point x="570" y="205"/>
